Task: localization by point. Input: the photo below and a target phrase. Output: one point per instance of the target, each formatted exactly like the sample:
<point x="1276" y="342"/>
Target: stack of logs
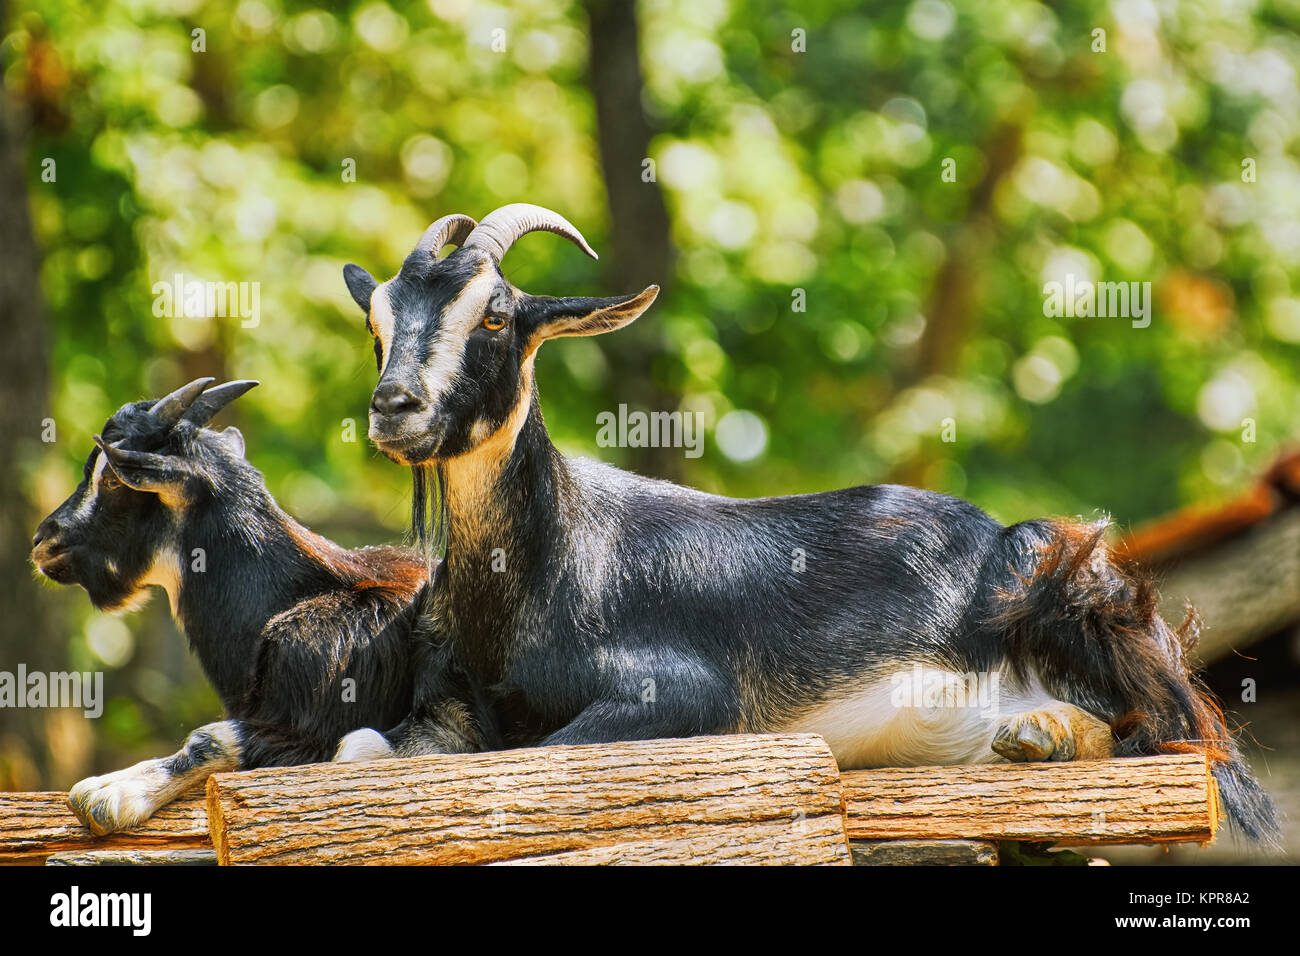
<point x="739" y="799"/>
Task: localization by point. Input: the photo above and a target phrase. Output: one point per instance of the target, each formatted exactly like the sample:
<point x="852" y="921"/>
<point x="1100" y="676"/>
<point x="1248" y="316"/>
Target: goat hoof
<point x="1061" y="732"/>
<point x="361" y="745"/>
<point x="110" y="803"/>
<point x="1035" y="736"/>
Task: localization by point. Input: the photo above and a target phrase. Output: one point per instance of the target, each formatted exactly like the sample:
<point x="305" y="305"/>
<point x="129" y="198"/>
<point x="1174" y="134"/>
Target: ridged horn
<point x="501" y="227"/>
<point x="167" y="411"/>
<point x="207" y="405"/>
<point x="454" y="228"/>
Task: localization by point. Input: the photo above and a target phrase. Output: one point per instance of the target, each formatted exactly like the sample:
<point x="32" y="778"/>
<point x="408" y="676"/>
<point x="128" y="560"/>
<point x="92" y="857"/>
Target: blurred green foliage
<point x="802" y="148"/>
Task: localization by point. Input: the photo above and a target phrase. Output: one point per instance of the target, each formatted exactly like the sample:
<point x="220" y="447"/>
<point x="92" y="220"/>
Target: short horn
<point x="501" y="227"/>
<point x="454" y="228"/>
<point x="114" y="454"/>
<point x="167" y="411"/>
<point x="207" y="405"/>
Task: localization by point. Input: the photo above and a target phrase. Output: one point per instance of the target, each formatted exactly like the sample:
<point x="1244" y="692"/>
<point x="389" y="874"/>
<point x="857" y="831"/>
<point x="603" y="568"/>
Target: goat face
<point x="117" y="533"/>
<point x="455" y="341"/>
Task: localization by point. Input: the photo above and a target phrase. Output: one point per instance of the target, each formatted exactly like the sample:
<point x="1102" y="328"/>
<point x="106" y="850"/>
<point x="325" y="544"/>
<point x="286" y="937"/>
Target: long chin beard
<point x="428" y="512"/>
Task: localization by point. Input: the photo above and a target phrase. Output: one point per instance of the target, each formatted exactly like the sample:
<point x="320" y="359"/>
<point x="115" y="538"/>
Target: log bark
<point x="1245" y="589"/>
<point x="34" y="826"/>
<point x="134" y="858"/>
<point x="737" y="799"/>
<point x="1132" y="800"/>
<point x="924" y="853"/>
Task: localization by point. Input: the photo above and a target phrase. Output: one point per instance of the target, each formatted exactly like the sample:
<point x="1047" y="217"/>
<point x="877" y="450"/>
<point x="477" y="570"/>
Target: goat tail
<point x="1087" y="627"/>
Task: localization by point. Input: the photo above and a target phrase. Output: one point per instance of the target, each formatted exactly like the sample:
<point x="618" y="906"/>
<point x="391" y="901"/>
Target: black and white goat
<point x="303" y="640"/>
<point x="590" y="604"/>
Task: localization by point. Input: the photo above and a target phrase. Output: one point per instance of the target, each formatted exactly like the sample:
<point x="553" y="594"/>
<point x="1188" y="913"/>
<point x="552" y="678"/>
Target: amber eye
<point x="494" y="323"/>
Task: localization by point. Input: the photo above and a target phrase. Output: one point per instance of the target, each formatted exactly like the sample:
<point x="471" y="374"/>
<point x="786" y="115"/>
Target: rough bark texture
<point x="924" y="853"/>
<point x="1133" y="800"/>
<point x="705" y="800"/>
<point x="34" y="826"/>
<point x="1237" y="563"/>
<point x="751" y="799"/>
<point x="31" y="631"/>
<point x="1245" y="589"/>
<point x="774" y="842"/>
<point x="135" y="858"/>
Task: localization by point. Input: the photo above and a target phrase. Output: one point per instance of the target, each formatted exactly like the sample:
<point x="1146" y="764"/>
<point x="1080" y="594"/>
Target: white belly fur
<point x="922" y="716"/>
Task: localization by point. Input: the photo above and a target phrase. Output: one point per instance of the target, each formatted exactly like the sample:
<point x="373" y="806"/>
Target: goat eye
<point x="494" y="323"/>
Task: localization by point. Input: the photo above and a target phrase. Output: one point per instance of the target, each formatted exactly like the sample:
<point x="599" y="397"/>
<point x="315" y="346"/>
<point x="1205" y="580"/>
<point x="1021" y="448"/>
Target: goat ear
<point x="579" y="315"/>
<point x="361" y="284"/>
<point x="234" y="440"/>
<point x="162" y="475"/>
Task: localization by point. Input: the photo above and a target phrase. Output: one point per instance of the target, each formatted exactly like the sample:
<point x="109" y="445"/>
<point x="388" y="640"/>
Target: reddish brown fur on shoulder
<point x="397" y="573"/>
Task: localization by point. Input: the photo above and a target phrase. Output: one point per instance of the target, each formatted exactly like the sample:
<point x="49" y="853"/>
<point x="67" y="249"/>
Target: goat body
<point x="587" y="604"/>
<point x="302" y="640"/>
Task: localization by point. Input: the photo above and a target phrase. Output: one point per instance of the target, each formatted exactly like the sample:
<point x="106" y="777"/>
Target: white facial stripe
<point x="382" y="321"/>
<point x="88" y="503"/>
<point x="461" y="317"/>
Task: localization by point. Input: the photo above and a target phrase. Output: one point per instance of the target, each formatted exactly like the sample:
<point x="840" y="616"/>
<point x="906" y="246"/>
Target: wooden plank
<point x="1133" y="800"/>
<point x="763" y="799"/>
<point x="924" y="853"/>
<point x="34" y="826"/>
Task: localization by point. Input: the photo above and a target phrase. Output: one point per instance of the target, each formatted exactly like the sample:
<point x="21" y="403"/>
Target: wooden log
<point x="758" y="842"/>
<point x="924" y="853"/>
<point x="750" y="799"/>
<point x="1132" y="800"/>
<point x="134" y="858"/>
<point x="1237" y="563"/>
<point x="1245" y="589"/>
<point x="34" y="826"/>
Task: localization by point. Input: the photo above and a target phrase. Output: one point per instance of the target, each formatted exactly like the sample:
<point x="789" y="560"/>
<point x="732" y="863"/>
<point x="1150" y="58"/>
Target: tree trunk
<point x="31" y="632"/>
<point x="641" y="252"/>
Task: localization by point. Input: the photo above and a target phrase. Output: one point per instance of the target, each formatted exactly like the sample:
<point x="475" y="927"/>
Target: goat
<point x="303" y="640"/>
<point x="590" y="605"/>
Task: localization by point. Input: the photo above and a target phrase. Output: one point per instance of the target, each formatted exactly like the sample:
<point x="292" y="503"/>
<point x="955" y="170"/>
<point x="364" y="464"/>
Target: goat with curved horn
<point x="783" y="614"/>
<point x="502" y="227"/>
<point x="453" y="228"/>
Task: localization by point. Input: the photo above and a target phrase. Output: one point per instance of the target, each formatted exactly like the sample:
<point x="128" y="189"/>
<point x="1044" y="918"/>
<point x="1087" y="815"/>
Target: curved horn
<point x="167" y="411"/>
<point x="501" y="227"/>
<point x="215" y="399"/>
<point x="453" y="228"/>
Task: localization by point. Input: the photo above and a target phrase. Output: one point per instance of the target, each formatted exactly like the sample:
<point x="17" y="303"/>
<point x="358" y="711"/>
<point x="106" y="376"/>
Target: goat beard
<point x="428" y="524"/>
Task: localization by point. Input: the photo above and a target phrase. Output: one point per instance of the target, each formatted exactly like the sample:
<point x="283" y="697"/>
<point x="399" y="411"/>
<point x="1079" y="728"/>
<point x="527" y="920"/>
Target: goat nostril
<point x="394" y="400"/>
<point x="36" y="541"/>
